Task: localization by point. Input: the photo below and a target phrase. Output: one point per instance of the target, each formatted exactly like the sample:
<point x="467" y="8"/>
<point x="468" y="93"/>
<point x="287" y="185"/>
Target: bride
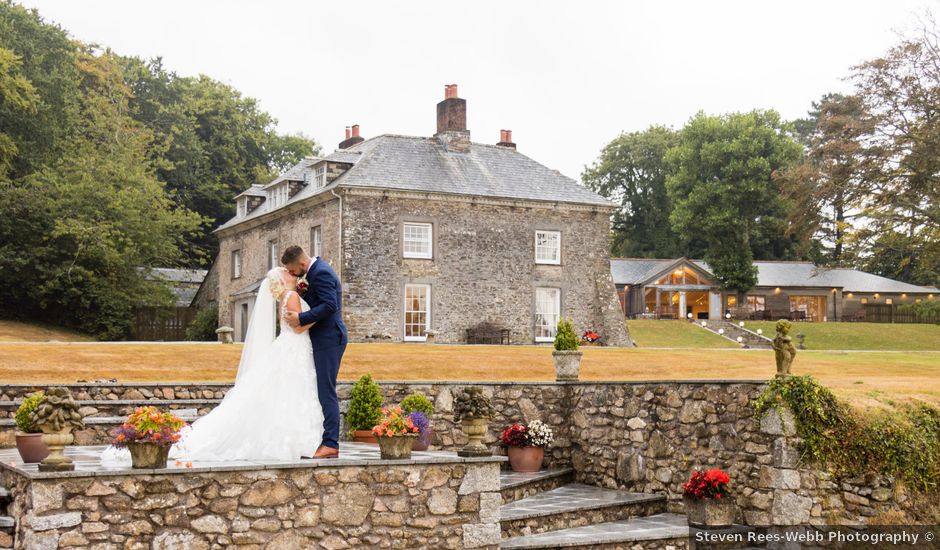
<point x="272" y="412"/>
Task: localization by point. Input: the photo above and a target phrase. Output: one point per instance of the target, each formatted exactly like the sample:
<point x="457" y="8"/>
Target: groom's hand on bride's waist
<point x="293" y="318"/>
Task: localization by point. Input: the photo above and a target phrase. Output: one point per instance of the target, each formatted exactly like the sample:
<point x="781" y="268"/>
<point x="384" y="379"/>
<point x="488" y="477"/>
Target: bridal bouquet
<point x="148" y="425"/>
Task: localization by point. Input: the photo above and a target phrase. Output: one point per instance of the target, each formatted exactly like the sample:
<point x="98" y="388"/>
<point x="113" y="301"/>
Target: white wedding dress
<point x="271" y="413"/>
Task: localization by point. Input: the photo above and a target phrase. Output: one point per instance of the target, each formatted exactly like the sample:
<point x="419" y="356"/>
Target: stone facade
<point x="483" y="267"/>
<point x="374" y="506"/>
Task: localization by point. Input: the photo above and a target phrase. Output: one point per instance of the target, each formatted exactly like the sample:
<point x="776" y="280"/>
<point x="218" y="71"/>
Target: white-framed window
<point x="316" y="235"/>
<point x="418" y="240"/>
<point x="319" y="175"/>
<point x="236" y="264"/>
<point x="417" y="312"/>
<point x="547" y="313"/>
<point x="547" y="247"/>
<point x="272" y="254"/>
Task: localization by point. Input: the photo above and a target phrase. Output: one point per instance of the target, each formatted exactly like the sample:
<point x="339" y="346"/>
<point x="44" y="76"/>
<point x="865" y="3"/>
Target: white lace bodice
<point x="283" y="312"/>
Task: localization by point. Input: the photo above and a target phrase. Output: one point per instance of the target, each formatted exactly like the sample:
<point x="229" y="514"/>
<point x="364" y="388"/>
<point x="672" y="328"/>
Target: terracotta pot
<point x="526" y="459"/>
<point x="709" y="512"/>
<point x="364" y="436"/>
<point x="567" y="364"/>
<point x="475" y="428"/>
<point x="31" y="447"/>
<point x="424" y="440"/>
<point x="148" y="455"/>
<point x="397" y="446"/>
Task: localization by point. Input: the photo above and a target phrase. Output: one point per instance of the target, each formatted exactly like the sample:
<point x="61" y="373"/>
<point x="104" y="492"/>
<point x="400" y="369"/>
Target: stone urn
<point x="56" y="441"/>
<point x="526" y="459"/>
<point x="567" y="364"/>
<point x="475" y="428"/>
<point x="397" y="447"/>
<point x="709" y="513"/>
<point x="147" y="455"/>
<point x="31" y="447"/>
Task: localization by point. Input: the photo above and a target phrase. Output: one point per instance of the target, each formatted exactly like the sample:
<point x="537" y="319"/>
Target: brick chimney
<point x="505" y="139"/>
<point x="452" y="122"/>
<point x="352" y="137"/>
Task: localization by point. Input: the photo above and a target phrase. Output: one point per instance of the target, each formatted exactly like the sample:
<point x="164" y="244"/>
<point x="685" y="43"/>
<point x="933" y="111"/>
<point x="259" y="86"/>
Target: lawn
<point x="866" y="378"/>
<point x="17" y="331"/>
<point x="859" y="336"/>
<point x="674" y="334"/>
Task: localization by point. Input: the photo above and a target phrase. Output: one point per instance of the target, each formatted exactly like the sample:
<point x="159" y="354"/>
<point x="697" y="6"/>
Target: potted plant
<point x="148" y="434"/>
<point x="707" y="498"/>
<point x="474" y="411"/>
<point x="29" y="437"/>
<point x="365" y="409"/>
<point x="57" y="415"/>
<point x="415" y="403"/>
<point x="396" y="433"/>
<point x="566" y="355"/>
<point x="525" y="445"/>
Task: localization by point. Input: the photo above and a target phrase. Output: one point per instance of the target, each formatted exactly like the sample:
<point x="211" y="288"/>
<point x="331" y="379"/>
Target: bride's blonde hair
<point x="276" y="279"/>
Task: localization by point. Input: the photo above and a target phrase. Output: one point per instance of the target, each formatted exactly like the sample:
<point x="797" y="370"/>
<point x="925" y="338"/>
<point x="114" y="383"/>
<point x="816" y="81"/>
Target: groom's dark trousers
<point x="324" y="295"/>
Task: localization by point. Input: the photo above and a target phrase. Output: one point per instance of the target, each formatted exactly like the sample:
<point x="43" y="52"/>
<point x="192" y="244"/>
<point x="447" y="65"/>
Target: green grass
<point x="674" y="334"/>
<point x="860" y="336"/>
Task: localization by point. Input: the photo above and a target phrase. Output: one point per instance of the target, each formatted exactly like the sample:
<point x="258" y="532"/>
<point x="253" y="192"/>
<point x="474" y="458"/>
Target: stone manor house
<point x="431" y="235"/>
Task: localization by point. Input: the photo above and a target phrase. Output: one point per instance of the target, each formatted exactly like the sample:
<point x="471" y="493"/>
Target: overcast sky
<point x="565" y="77"/>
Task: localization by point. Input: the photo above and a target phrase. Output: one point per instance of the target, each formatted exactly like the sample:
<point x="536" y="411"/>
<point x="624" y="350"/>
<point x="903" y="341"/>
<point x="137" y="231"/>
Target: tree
<point x="825" y="190"/>
<point x="17" y="93"/>
<point x="722" y="192"/>
<point x="901" y="90"/>
<point x="632" y="170"/>
<point x="74" y="232"/>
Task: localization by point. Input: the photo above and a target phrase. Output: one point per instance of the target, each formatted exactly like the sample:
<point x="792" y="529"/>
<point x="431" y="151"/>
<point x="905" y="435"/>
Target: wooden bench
<point x="488" y="333"/>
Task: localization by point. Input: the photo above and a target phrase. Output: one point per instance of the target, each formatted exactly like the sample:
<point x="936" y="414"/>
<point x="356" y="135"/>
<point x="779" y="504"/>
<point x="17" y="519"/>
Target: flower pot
<point x="424" y="440"/>
<point x="397" y="446"/>
<point x="526" y="459"/>
<point x="709" y="512"/>
<point x="364" y="436"/>
<point x="31" y="447"/>
<point x="567" y="364"/>
<point x="148" y="455"/>
<point x="475" y="428"/>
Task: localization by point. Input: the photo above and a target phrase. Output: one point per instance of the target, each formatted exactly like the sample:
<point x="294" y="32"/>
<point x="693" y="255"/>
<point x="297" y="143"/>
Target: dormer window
<point x="242" y="207"/>
<point x="319" y="176"/>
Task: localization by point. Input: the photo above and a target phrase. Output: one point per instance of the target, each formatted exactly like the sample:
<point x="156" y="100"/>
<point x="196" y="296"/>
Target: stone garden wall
<point x="644" y="437"/>
<point x="366" y="506"/>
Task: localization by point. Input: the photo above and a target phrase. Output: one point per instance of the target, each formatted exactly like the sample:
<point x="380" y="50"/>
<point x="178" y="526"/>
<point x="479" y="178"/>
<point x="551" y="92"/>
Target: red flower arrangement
<point x="710" y="484"/>
<point x="302" y="285"/>
<point x="395" y="422"/>
<point x="515" y="435"/>
<point x="590" y="336"/>
<point x="148" y="425"/>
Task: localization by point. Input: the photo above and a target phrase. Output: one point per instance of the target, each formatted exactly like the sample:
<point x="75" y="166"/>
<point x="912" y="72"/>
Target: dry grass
<point x="866" y="378"/>
<point x="17" y="331"/>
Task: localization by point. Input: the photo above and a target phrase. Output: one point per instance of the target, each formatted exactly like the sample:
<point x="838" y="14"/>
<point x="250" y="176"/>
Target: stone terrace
<point x="434" y="500"/>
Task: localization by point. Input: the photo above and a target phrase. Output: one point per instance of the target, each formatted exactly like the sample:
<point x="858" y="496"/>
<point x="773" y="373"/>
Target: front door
<point x="714" y="305"/>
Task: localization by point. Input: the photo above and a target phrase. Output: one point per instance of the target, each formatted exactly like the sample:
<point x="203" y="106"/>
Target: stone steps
<point x="575" y="505"/>
<point x="732" y="331"/>
<point x="122" y="407"/>
<point x="517" y="485"/>
<point x="649" y="532"/>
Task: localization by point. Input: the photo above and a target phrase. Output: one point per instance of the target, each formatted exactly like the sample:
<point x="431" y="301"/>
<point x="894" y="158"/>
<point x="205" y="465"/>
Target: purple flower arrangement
<point x="420" y="420"/>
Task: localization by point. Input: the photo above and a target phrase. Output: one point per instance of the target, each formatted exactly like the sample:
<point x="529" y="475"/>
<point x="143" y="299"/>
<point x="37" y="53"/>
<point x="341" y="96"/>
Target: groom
<point x="328" y="335"/>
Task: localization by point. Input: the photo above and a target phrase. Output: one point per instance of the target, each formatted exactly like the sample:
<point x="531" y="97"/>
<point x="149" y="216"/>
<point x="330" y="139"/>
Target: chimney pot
<point x="450" y="90"/>
<point x="348" y="132"/>
<point x="352" y="137"/>
<point x="505" y="139"/>
<point x="509" y="136"/>
<point x="355" y="130"/>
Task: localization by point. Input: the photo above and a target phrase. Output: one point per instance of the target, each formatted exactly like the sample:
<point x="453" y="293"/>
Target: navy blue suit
<point x="324" y="295"/>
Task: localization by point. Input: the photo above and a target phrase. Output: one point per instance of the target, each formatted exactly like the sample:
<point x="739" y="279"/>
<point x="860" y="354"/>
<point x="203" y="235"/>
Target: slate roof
<point x="632" y="271"/>
<point x="408" y="163"/>
<point x="183" y="283"/>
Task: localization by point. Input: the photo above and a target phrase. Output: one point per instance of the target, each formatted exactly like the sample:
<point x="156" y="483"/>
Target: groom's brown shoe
<point x="326" y="452"/>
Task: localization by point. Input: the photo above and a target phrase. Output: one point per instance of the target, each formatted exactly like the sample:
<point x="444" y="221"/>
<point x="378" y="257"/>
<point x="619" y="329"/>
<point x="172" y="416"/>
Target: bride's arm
<point x="293" y="305"/>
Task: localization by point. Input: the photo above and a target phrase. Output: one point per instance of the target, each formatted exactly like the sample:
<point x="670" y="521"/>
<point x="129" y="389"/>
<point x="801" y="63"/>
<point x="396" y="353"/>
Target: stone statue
<point x="784" y="351"/>
<point x="57" y="415"/>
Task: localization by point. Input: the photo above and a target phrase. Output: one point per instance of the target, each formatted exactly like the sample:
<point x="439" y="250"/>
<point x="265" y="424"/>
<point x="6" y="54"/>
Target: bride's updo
<point x="276" y="279"/>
